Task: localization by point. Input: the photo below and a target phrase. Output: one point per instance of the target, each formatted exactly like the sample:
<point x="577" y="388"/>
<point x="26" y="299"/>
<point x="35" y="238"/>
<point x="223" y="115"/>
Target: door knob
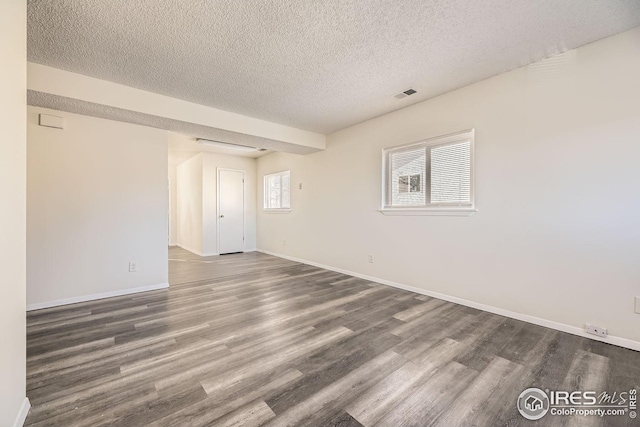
<point x="221" y="216"/>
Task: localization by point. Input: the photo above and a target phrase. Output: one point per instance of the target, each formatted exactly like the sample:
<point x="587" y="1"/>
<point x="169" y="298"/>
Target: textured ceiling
<point x="316" y="65"/>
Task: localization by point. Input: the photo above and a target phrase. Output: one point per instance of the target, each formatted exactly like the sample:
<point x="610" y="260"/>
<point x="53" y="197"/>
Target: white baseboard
<point x="563" y="327"/>
<point x="193" y="251"/>
<point x="22" y="415"/>
<point x="84" y="298"/>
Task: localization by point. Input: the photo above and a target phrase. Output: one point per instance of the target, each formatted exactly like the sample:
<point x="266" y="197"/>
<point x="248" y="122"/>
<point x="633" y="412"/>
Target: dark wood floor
<point x="250" y="339"/>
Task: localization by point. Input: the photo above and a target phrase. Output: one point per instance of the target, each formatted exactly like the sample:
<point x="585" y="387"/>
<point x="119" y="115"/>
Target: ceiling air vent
<point x="404" y="94"/>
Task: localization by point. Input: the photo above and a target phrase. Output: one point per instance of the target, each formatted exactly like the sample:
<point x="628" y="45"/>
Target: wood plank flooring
<point x="255" y="340"/>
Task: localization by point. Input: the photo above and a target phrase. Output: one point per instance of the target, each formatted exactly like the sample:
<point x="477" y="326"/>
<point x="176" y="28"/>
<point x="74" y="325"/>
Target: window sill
<point x="429" y="212"/>
<point x="277" y="211"/>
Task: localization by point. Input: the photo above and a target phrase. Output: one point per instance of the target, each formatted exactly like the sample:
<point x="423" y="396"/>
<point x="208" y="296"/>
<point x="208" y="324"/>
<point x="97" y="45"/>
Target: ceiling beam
<point x="89" y="90"/>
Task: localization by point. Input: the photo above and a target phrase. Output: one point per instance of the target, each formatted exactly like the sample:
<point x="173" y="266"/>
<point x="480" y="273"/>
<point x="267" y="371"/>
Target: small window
<point x="435" y="175"/>
<point x="409" y="183"/>
<point x="277" y="194"/>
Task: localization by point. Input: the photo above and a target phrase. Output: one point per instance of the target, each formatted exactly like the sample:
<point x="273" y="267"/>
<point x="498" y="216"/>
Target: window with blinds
<point x="433" y="174"/>
<point x="277" y="191"/>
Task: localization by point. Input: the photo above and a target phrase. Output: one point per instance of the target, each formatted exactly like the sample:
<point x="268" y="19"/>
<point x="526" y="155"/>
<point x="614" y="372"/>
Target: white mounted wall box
<point x="51" y="121"/>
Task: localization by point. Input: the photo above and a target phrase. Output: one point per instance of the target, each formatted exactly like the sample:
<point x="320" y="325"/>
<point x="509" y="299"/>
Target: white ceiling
<point x="316" y="65"/>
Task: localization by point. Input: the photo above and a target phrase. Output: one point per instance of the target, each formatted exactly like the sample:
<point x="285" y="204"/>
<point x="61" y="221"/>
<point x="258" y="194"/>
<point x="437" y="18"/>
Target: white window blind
<point x="432" y="174"/>
<point x="277" y="190"/>
<point x="451" y="173"/>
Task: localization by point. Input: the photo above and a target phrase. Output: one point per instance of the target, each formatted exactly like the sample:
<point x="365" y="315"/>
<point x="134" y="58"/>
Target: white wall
<point x="189" y="204"/>
<point x="97" y="199"/>
<point x="210" y="190"/>
<point x="557" y="235"/>
<point x="13" y="85"/>
<point x="173" y="205"/>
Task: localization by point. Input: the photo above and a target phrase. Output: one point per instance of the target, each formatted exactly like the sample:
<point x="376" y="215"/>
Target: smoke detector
<point x="405" y="93"/>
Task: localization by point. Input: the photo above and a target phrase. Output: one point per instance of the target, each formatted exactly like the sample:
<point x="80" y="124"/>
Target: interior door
<point x="230" y="211"/>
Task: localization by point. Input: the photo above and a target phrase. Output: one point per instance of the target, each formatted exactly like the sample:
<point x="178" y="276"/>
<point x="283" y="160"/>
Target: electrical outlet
<point x="284" y="243"/>
<point x="637" y="310"/>
<point x="371" y="258"/>
<point x="133" y="267"/>
<point x="300" y="186"/>
<point x="596" y="330"/>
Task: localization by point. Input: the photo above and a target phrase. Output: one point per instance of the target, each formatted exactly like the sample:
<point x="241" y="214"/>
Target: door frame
<point x="170" y="215"/>
<point x="244" y="207"/>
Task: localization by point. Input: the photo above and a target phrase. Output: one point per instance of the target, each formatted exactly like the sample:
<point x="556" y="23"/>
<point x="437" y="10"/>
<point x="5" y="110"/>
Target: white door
<point x="230" y="211"/>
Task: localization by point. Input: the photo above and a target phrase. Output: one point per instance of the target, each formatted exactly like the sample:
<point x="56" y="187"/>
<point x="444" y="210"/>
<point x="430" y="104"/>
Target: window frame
<point x="264" y="192"/>
<point x="445" y="209"/>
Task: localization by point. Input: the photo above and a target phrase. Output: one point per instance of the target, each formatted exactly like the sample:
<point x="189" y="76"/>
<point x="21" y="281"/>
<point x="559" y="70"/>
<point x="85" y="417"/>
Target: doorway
<point x="230" y="211"/>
